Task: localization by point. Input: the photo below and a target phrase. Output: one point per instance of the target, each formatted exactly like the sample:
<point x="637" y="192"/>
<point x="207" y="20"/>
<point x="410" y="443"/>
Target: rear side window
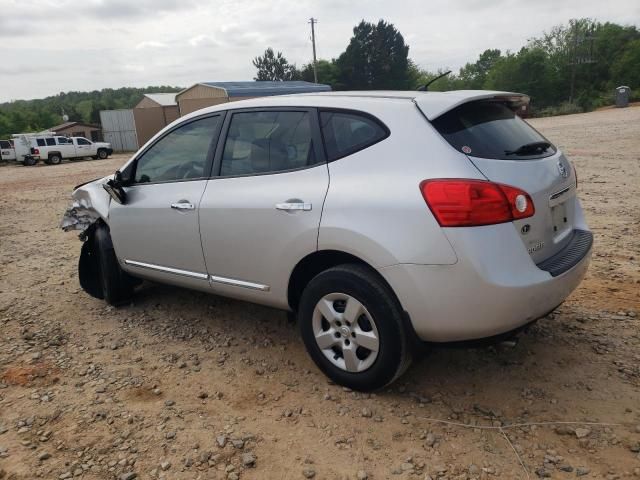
<point x="267" y="142"/>
<point x="51" y="141"/>
<point x="491" y="130"/>
<point x="347" y="132"/>
<point x="63" y="141"/>
<point x="40" y="142"/>
<point x="4" y="144"/>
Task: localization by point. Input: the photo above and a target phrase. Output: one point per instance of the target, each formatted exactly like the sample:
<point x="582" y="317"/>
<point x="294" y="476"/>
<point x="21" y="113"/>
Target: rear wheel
<point x="116" y="285"/>
<point x="351" y="324"/>
<point x="102" y="154"/>
<point x="55" y="159"/>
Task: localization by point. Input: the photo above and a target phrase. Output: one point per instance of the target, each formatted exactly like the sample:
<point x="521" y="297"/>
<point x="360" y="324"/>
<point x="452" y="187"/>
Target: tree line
<point x="572" y="68"/>
<point x="36" y="115"/>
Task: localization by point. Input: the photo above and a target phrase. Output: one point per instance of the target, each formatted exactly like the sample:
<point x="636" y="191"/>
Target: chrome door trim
<point x="175" y="271"/>
<point x="238" y="283"/>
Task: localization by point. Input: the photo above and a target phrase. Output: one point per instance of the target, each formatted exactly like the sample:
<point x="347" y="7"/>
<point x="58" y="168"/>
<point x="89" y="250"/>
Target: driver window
<point x="179" y="155"/>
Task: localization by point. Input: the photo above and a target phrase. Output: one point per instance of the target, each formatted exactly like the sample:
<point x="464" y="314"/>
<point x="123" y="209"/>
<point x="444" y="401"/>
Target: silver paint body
<point x="455" y="283"/>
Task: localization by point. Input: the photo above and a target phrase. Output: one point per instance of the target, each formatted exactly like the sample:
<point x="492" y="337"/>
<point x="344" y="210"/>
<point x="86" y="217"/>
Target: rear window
<point x="348" y="132"/>
<point x="491" y="130"/>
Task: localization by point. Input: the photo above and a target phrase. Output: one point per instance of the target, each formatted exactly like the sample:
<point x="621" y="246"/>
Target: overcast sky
<point x="49" y="46"/>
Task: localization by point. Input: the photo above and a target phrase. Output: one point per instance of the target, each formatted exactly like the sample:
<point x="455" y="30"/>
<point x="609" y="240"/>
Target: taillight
<point x="35" y="151"/>
<point x="468" y="203"/>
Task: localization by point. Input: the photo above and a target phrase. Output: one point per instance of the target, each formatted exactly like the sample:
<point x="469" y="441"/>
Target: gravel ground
<point x="181" y="385"/>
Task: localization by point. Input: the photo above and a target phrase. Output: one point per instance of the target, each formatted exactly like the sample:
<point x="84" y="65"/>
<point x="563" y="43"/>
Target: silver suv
<point x="380" y="218"/>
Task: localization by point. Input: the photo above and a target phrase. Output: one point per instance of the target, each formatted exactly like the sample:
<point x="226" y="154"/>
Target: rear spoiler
<point x="436" y="104"/>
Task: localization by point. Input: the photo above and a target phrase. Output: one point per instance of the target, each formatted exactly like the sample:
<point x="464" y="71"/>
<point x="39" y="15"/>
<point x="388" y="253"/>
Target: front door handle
<point x="293" y="206"/>
<point x="183" y="206"/>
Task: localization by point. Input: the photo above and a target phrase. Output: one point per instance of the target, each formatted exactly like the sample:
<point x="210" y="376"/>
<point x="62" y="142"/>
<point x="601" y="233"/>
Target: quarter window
<point x="345" y="133"/>
<point x="267" y="142"/>
<point x="41" y="142"/>
<point x="179" y="155"/>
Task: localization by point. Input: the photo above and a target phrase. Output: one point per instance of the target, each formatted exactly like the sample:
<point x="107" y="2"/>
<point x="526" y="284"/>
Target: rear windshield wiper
<point x="529" y="148"/>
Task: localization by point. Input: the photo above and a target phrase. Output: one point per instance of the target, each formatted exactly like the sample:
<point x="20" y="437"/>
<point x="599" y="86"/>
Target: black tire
<point x="117" y="286"/>
<point x="55" y="159"/>
<point x="29" y="161"/>
<point x="102" y="154"/>
<point x="394" y="353"/>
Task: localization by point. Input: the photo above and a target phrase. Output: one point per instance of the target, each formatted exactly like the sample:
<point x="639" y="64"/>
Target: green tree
<point x="376" y="58"/>
<point x="328" y="73"/>
<point x="473" y="75"/>
<point x="626" y="69"/>
<point x="274" y="66"/>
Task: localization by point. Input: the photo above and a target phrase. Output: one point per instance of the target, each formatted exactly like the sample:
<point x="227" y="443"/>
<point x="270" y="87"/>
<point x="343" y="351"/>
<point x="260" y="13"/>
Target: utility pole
<point x="313" y="21"/>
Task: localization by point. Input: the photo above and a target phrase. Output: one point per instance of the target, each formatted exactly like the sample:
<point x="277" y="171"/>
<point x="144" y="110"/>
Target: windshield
<point x="491" y="130"/>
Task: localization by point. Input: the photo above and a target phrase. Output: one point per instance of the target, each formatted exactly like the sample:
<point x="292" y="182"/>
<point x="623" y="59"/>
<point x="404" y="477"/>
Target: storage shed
<point x="154" y="112"/>
<point x="206" y="94"/>
<point x="79" y="129"/>
<point x="119" y="130"/>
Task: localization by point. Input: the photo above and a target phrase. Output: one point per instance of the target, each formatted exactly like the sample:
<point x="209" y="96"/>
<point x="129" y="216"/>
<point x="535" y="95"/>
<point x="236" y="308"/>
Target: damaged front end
<point x="89" y="209"/>
<point x="90" y="203"/>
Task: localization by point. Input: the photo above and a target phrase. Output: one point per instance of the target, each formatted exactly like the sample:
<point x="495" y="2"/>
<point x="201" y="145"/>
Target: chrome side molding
<point x="175" y="271"/>
<point x="238" y="283"/>
<point x="200" y="276"/>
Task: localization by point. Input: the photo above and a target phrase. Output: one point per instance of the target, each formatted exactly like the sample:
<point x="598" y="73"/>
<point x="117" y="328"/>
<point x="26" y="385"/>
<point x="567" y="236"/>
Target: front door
<point x="261" y="213"/>
<point x="155" y="234"/>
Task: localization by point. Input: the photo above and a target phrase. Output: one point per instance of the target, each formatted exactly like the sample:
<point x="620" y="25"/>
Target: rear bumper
<point x="494" y="288"/>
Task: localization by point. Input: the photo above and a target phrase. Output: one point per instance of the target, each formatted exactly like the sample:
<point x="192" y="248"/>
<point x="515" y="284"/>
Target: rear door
<point x="66" y="147"/>
<point x="6" y="150"/>
<point x="260" y="214"/>
<point x="508" y="150"/>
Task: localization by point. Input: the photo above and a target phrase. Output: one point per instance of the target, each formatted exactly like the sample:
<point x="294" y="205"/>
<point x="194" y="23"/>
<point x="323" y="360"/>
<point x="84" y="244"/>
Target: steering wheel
<point x="189" y="170"/>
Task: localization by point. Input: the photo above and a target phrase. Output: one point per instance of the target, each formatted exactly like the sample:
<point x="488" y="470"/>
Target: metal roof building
<point x="206" y="94"/>
<point x="154" y="112"/>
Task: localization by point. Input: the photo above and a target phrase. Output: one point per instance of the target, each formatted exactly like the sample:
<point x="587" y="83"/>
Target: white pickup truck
<point x="53" y="148"/>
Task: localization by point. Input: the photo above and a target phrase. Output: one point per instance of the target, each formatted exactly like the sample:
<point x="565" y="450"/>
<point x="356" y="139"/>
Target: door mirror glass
<point x="114" y="188"/>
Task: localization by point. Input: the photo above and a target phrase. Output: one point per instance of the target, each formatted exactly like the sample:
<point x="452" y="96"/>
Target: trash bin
<point x="622" y="96"/>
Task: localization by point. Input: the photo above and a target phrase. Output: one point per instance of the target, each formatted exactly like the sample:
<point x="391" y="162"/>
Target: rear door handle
<point x="294" y="206"/>
<point x="183" y="206"/>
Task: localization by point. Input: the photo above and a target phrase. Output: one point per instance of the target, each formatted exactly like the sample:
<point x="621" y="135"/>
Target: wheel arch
<point x="317" y="262"/>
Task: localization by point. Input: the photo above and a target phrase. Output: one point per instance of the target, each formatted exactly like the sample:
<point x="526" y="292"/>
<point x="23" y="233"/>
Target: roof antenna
<point x="425" y="87"/>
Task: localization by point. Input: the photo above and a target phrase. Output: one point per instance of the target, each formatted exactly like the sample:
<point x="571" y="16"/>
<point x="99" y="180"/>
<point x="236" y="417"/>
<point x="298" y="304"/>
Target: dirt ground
<point x="181" y="385"/>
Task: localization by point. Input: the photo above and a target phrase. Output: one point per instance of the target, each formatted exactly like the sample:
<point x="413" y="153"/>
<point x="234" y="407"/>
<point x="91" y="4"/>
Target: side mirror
<point x="114" y="188"/>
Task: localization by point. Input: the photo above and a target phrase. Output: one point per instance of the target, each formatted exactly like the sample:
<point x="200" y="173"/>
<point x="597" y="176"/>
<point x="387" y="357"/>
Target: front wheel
<point x="351" y="324"/>
<point x="116" y="285"/>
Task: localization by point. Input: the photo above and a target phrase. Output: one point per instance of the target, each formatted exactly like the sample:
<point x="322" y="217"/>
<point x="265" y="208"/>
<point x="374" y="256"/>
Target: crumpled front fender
<point x="90" y="203"/>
